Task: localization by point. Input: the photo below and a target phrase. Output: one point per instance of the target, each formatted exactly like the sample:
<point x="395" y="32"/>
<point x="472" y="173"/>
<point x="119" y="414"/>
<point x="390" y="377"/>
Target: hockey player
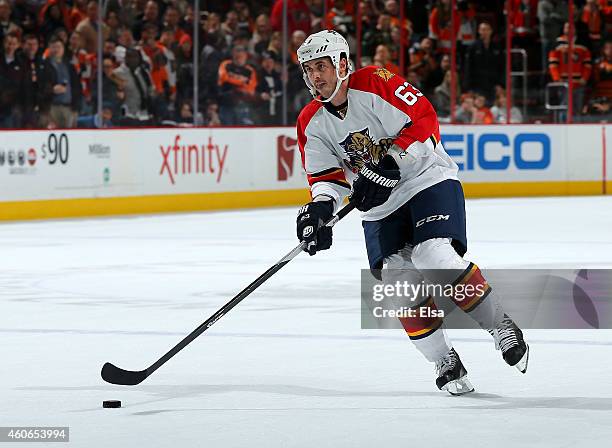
<point x="372" y="131"/>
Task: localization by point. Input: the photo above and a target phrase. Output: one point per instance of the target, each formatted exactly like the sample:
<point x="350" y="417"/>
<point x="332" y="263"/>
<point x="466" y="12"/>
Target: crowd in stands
<point x="49" y="64"/>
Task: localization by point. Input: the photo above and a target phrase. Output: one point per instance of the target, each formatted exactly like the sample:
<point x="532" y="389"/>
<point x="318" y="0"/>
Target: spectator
<point x="214" y="52"/>
<point x="423" y="62"/>
<point x="138" y="88"/>
<point x="525" y="29"/>
<point x="112" y="88"/>
<point x="297" y="39"/>
<point x="440" y="25"/>
<point x="298" y="16"/>
<point x="524" y="18"/>
<point x="237" y="82"/>
<point x="212" y="25"/>
<point x="7" y="25"/>
<point x="88" y="28"/>
<point x="109" y="48"/>
<point x="581" y="67"/>
<point x="62" y="34"/>
<point x="391" y="8"/>
<point x="413" y="78"/>
<point x="600" y="105"/>
<point x="84" y="65"/>
<point x="593" y="17"/>
<point x="436" y="76"/>
<point x="484" y="64"/>
<point x="245" y="21"/>
<point x="396" y="45"/>
<point x="93" y="121"/>
<point x="125" y="40"/>
<point x="127" y="10"/>
<point x="162" y="104"/>
<point x="62" y="86"/>
<point x="150" y="16"/>
<point x="184" y="117"/>
<point x="13" y="81"/>
<point x="211" y="114"/>
<point x="297" y="94"/>
<point x="382" y="58"/>
<point x="465" y="111"/>
<point x="551" y="15"/>
<point x="113" y="23"/>
<point x="381" y="35"/>
<point x="53" y="16"/>
<point x="442" y="96"/>
<point x="603" y="72"/>
<point x="171" y="21"/>
<point x="148" y="44"/>
<point x="166" y="44"/>
<point x="276" y="45"/>
<point x="339" y="18"/>
<point x="24" y="15"/>
<point x="269" y="91"/>
<point x="368" y="15"/>
<point x="261" y="36"/>
<point x="35" y="69"/>
<point x="230" y="26"/>
<point x="184" y="71"/>
<point x="500" y="112"/>
<point x="78" y="13"/>
<point x="481" y="114"/>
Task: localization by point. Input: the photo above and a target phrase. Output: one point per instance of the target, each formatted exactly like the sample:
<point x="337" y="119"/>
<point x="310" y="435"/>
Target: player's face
<point x="321" y="74"/>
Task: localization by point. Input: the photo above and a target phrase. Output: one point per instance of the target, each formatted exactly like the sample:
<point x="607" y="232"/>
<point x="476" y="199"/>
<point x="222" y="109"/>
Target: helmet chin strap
<point x="338" y="83"/>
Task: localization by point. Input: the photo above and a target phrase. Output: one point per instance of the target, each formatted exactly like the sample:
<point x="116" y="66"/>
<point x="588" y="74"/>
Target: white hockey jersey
<point x="383" y="109"/>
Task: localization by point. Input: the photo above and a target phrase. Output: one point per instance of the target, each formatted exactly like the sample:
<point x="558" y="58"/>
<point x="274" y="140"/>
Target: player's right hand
<point x="311" y="225"/>
<point x="374" y="183"/>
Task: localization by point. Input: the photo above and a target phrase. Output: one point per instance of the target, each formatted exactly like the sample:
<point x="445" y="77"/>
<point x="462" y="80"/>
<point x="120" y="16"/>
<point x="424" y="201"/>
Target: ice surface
<point x="290" y="366"/>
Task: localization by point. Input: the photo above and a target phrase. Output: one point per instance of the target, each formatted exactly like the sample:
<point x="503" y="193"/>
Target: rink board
<point x="71" y="173"/>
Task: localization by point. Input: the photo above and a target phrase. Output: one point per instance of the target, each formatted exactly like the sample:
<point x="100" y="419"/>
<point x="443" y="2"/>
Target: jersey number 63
<point x="406" y="96"/>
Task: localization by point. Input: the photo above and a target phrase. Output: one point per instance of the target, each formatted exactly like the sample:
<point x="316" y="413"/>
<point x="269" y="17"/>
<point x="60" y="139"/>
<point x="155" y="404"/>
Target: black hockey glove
<point x="311" y="225"/>
<point x="374" y="184"/>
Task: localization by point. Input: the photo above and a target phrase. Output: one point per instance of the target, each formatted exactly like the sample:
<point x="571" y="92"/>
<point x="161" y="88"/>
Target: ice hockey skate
<point x="452" y="376"/>
<point x="509" y="339"/>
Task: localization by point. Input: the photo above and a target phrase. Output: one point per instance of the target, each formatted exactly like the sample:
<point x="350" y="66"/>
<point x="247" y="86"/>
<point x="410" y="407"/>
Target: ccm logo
<point x="420" y="222"/>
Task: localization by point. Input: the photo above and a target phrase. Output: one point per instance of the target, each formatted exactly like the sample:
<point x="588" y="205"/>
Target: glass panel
<point x="437" y="45"/>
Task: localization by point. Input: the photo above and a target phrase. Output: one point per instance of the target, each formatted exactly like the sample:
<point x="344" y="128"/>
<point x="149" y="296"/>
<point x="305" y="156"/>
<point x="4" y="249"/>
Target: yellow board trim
<point x="71" y="208"/>
<point x="514" y="189"/>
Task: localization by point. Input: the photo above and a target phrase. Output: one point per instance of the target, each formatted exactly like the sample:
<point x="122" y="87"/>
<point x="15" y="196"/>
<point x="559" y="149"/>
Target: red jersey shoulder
<point x="307" y="113"/>
<point x="371" y="78"/>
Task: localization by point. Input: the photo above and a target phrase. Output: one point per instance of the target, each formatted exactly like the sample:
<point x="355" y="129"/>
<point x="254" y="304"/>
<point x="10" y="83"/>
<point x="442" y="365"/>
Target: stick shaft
<point x="242" y="294"/>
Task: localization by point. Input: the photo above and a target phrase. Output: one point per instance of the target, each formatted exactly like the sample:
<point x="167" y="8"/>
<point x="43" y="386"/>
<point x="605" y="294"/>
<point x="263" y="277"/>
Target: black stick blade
<point x="115" y="375"/>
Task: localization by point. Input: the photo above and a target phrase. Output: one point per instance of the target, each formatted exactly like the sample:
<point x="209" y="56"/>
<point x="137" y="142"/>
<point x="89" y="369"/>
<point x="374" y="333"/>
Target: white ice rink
<point x="290" y="366"/>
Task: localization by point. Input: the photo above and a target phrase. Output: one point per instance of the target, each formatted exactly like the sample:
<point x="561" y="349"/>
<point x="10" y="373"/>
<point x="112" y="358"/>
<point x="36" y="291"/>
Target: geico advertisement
<point x="508" y="153"/>
<point x="128" y="162"/>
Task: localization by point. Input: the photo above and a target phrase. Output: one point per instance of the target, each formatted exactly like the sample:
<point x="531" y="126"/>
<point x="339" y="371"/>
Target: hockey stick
<point x="115" y="375"/>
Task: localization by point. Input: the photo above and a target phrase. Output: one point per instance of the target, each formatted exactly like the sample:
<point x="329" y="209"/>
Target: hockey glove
<point x="311" y="225"/>
<point x="374" y="183"/>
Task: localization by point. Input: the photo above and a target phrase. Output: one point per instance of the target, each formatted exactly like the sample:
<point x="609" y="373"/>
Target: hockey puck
<point x="111" y="404"/>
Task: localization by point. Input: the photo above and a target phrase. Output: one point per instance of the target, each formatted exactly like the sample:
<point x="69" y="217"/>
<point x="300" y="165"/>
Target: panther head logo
<point x="361" y="148"/>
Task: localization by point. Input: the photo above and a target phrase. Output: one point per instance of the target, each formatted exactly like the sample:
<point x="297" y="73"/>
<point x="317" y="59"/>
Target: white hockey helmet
<point x="326" y="43"/>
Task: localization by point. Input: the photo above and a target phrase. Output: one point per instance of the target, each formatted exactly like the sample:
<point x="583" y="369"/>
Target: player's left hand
<point x="374" y="184"/>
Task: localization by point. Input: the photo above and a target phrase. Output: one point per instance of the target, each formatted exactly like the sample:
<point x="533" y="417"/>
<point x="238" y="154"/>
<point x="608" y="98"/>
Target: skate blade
<point x="522" y="364"/>
<point x="459" y="386"/>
